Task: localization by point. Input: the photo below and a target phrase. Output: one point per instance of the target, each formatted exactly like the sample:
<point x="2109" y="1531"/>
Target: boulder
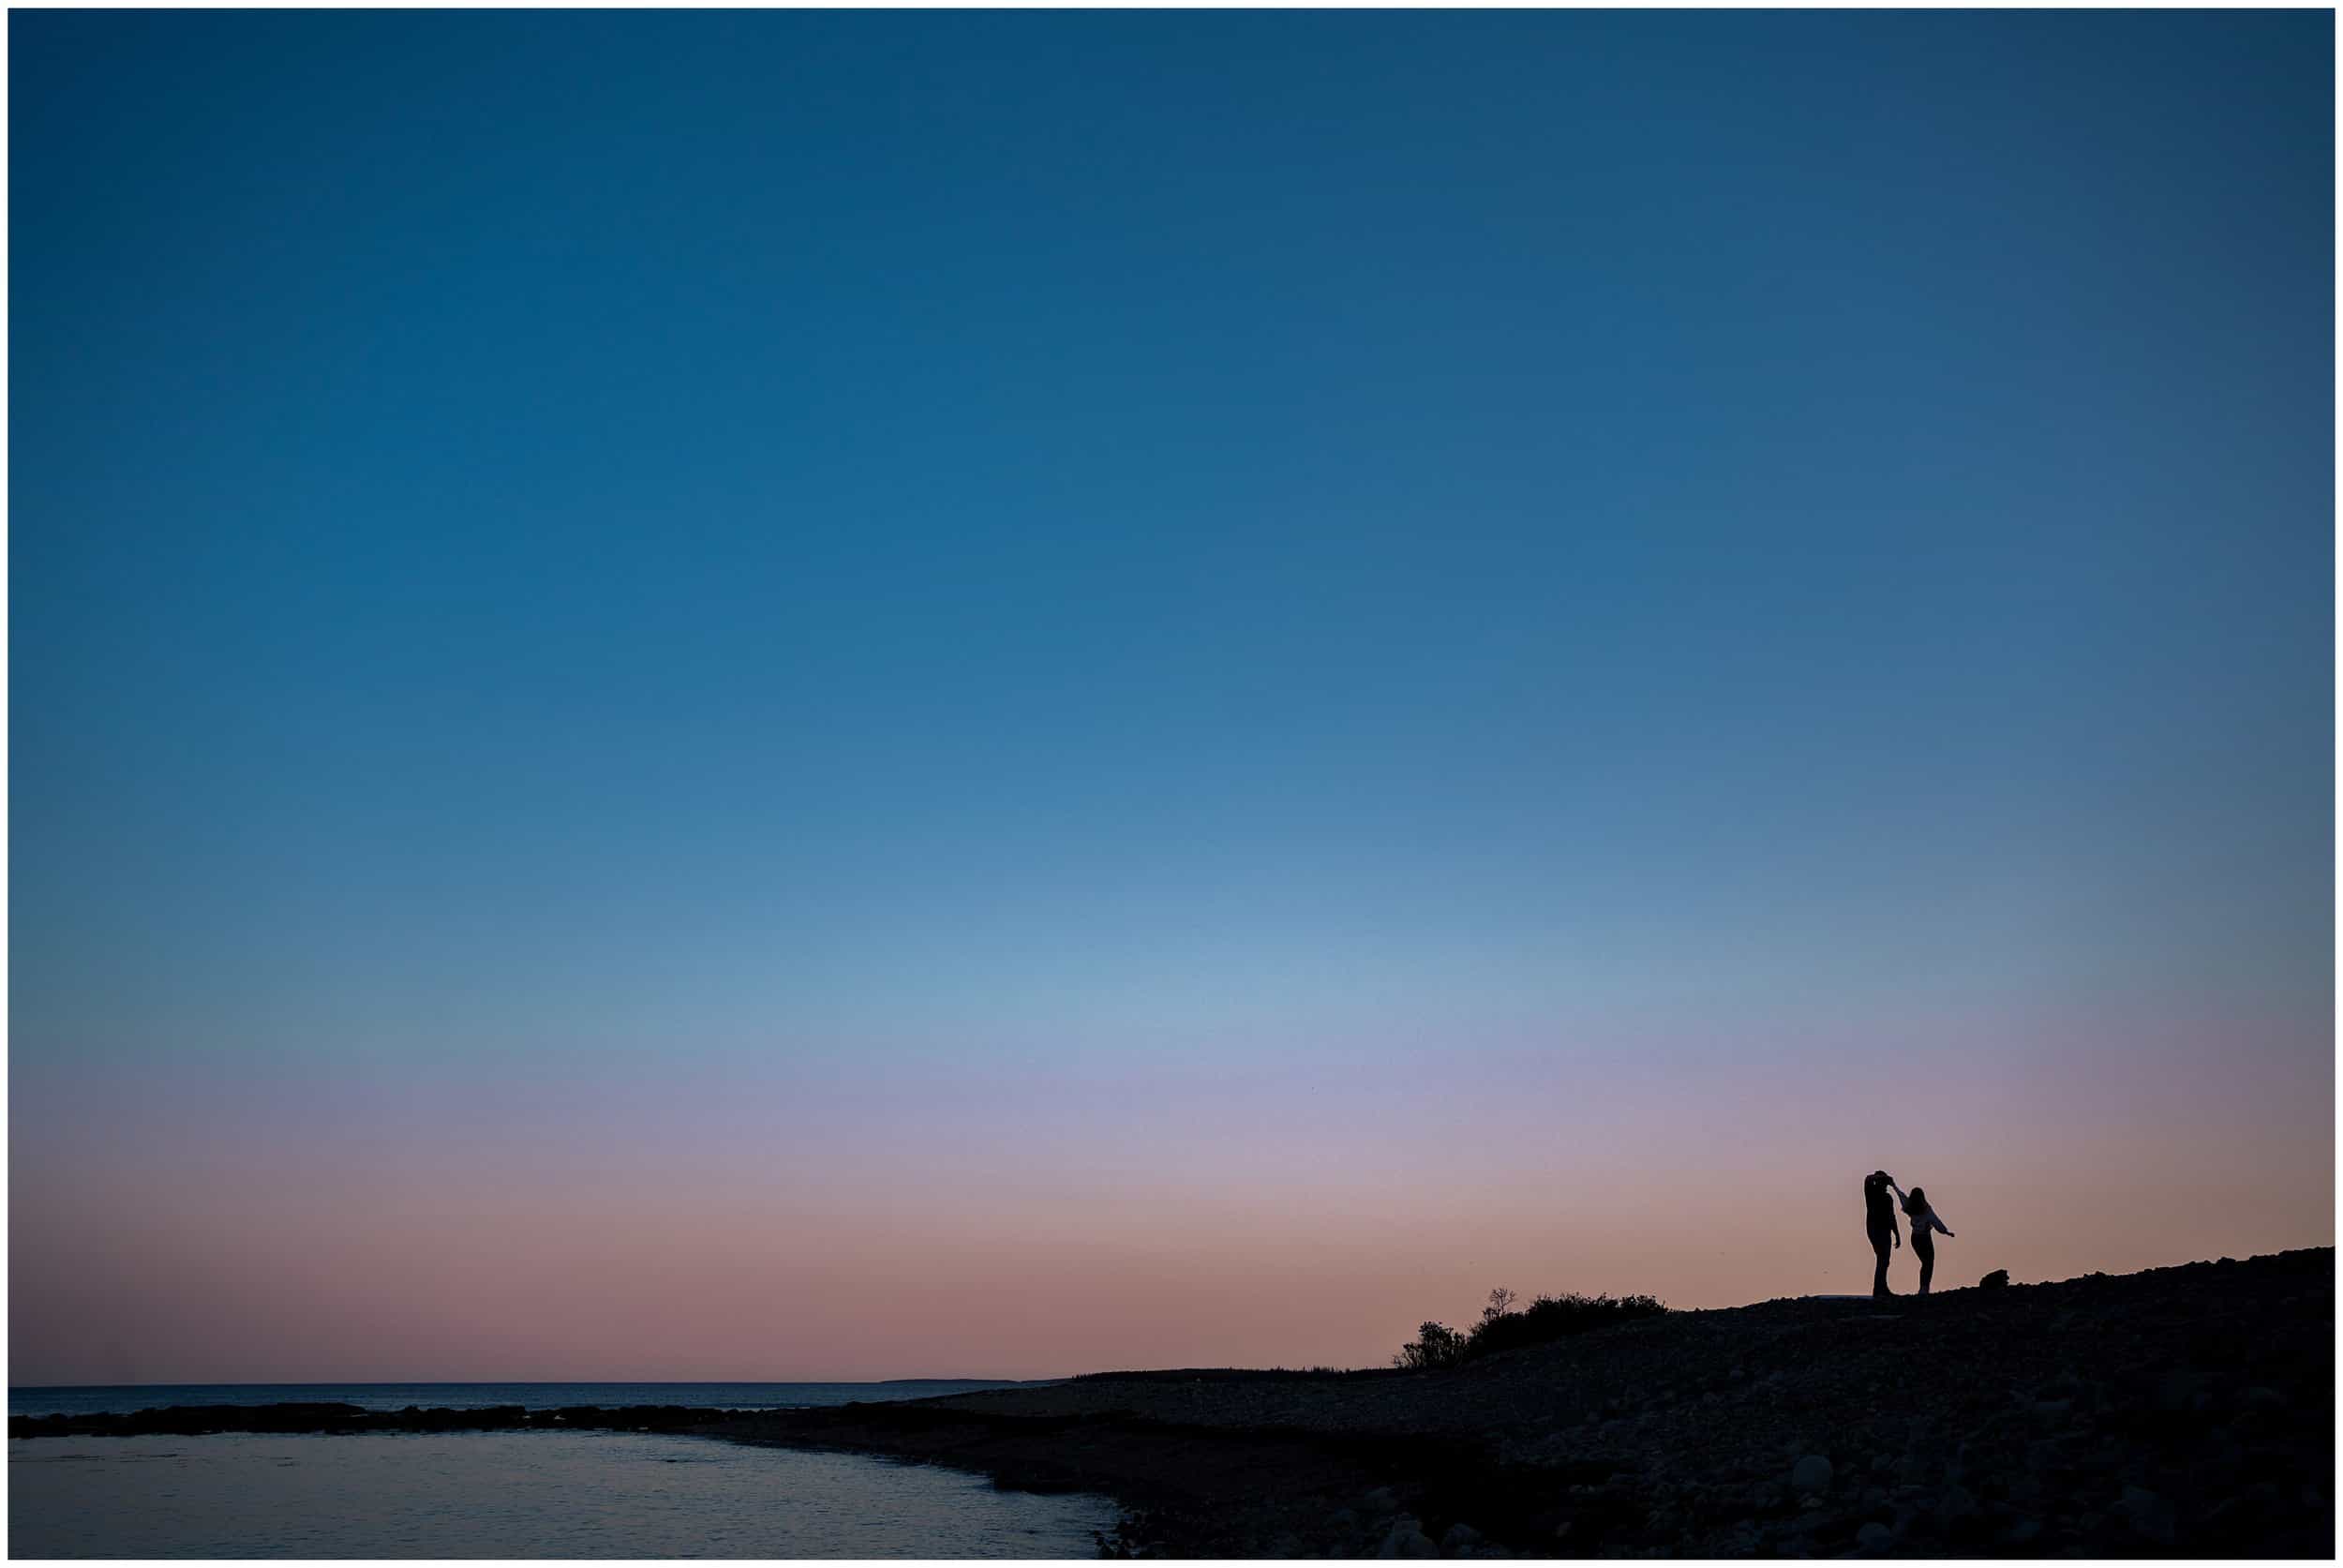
<point x="1995" y="1280"/>
<point x="1810" y="1475"/>
<point x="1409" y="1543"/>
<point x="2148" y="1514"/>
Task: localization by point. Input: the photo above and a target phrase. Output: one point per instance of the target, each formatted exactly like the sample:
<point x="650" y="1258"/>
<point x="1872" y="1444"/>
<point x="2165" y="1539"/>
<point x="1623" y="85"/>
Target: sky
<point x="789" y="695"/>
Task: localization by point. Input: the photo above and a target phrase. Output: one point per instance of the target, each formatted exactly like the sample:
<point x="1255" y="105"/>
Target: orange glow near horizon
<point x="1186" y="1232"/>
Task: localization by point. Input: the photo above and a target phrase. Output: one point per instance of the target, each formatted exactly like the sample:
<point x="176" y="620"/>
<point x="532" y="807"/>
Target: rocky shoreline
<point x="2178" y="1413"/>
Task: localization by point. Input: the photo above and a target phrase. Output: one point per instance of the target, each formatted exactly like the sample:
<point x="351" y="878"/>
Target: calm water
<point x="512" y="1494"/>
<point x="473" y="1396"/>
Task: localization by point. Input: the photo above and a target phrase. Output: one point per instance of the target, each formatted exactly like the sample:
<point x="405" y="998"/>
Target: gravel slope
<point x="2183" y="1411"/>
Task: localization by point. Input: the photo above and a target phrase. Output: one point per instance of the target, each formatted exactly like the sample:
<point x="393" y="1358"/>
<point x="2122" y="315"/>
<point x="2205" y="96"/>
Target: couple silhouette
<point x="1879" y="1221"/>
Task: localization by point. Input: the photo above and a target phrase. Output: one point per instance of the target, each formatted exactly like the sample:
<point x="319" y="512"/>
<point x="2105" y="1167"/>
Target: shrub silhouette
<point x="1551" y="1318"/>
<point x="1502" y="1328"/>
<point x="1435" y="1346"/>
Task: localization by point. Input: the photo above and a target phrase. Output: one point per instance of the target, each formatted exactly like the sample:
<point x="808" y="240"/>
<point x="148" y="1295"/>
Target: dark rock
<point x="1995" y="1280"/>
<point x="2178" y="1392"/>
<point x="2148" y="1514"/>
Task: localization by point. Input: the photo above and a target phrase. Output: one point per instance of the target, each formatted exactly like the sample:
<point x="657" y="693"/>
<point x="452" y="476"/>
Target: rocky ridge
<point x="2179" y="1412"/>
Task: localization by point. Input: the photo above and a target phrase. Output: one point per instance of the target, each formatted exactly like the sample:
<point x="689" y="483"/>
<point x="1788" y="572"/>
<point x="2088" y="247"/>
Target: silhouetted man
<point x="1879" y="1221"/>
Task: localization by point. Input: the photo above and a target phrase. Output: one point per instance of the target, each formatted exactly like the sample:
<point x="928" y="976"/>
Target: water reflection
<point x="512" y="1494"/>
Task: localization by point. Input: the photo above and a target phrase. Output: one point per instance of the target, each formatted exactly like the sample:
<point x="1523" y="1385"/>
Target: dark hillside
<point x="2184" y="1412"/>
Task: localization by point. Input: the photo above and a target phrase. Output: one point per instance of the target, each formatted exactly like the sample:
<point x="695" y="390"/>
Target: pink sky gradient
<point x="848" y="1224"/>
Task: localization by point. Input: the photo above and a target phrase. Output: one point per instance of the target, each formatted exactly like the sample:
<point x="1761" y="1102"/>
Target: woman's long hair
<point x="1916" y="1202"/>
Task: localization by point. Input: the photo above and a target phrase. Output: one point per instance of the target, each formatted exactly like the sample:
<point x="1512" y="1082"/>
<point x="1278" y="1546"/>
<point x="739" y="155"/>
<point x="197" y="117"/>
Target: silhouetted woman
<point x="1923" y="1220"/>
<point x="1879" y="1224"/>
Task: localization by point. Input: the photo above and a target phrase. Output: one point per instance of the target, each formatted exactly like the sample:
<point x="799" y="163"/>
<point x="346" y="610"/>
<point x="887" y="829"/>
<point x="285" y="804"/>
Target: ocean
<point x="508" y="1494"/>
<point x="92" y="1398"/>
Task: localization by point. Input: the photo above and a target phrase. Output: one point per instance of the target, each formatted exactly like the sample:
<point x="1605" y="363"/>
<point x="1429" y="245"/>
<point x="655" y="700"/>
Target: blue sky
<point x="1098" y="541"/>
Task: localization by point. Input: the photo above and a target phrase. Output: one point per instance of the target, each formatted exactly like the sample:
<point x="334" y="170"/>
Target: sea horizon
<point x="459" y="1394"/>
